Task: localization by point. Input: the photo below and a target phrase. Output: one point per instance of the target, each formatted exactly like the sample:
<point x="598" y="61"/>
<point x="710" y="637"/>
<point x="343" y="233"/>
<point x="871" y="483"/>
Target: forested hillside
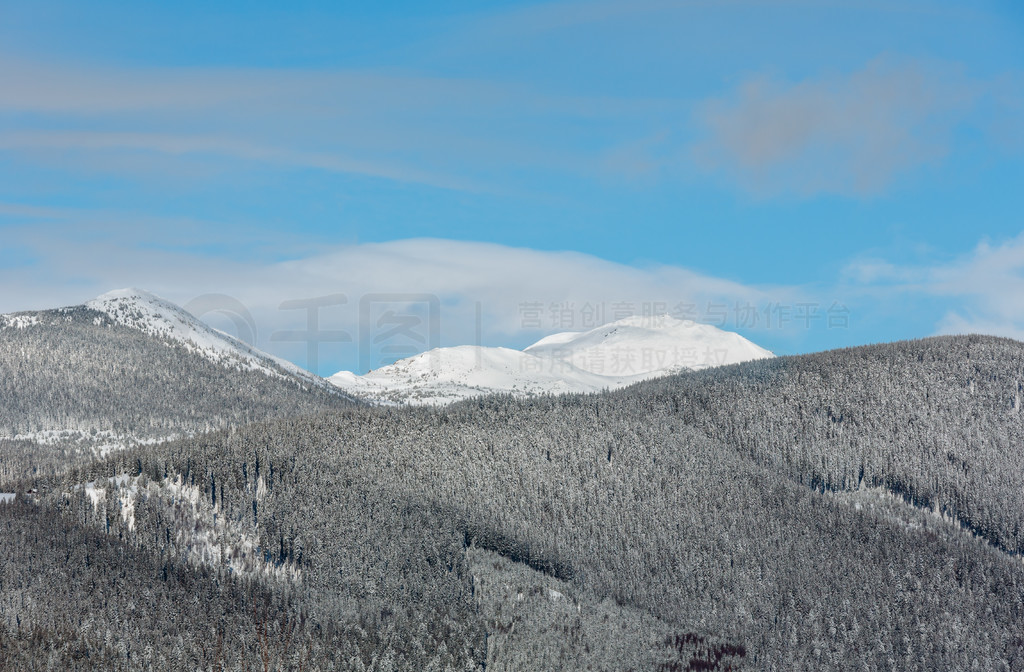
<point x="937" y="422"/>
<point x="74" y="382"/>
<point x="854" y="509"/>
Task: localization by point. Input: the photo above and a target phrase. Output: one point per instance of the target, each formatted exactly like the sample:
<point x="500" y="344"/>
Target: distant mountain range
<point x="858" y="509"/>
<point x="130" y="367"/>
<point x="608" y="357"/>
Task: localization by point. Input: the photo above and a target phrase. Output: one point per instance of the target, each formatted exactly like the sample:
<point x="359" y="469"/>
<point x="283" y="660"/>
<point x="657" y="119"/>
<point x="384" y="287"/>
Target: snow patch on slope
<point x="202" y="534"/>
<point x="100" y="442"/>
<point x="18" y="321"/>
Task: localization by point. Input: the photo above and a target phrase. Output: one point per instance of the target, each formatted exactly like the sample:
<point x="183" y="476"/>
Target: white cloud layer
<point x="982" y="291"/>
<point x="515" y="288"/>
<point x="520" y="292"/>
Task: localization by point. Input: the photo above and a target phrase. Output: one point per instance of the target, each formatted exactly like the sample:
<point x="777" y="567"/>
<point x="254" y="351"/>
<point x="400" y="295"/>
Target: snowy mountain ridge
<point x="127" y="369"/>
<point x="147" y="312"/>
<point x="445" y="375"/>
<point x="642" y="345"/>
<point x="610" y="356"/>
<point x="607" y="357"/>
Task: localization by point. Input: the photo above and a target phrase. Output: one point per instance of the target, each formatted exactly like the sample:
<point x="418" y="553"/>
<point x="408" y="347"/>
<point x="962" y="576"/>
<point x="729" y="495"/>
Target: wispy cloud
<point x="26" y="211"/>
<point x="990" y="282"/>
<point x="851" y="134"/>
<point x="224" y="146"/>
<point x="552" y="16"/>
<point x="452" y="133"/>
<point x="74" y="89"/>
<point x="982" y="291"/>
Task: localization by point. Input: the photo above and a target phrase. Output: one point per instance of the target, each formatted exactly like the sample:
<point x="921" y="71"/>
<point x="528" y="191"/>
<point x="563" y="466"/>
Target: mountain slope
<point x="608" y="357"/>
<point x="856" y="509"/>
<point x="78" y="381"/>
<point x="157" y="317"/>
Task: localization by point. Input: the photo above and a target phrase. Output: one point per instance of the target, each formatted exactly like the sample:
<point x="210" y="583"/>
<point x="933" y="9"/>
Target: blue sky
<point x="661" y="154"/>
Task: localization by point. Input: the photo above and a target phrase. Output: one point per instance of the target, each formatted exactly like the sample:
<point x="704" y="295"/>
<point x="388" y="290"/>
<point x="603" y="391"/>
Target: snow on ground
<point x="609" y="357"/>
<point x="203" y="534"/>
<point x="127" y="486"/>
<point x="18" y="320"/>
<point x="6" y="497"/>
<point x="100" y="442"/>
<point x="149" y="313"/>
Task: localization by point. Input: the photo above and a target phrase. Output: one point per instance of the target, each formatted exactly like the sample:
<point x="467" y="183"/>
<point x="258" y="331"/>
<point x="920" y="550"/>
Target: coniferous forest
<point x="512" y="336"/>
<point x="857" y="509"/>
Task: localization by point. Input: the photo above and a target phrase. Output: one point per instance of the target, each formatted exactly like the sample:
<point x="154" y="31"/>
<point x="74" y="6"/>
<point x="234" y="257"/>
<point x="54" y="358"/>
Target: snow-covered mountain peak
<point x="607" y="357"/>
<point x="444" y="375"/>
<point x="653" y="322"/>
<point x="153" y="315"/>
<point x="147" y="312"/>
<point x="129" y="294"/>
<point x="629" y="327"/>
<point x="641" y="345"/>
